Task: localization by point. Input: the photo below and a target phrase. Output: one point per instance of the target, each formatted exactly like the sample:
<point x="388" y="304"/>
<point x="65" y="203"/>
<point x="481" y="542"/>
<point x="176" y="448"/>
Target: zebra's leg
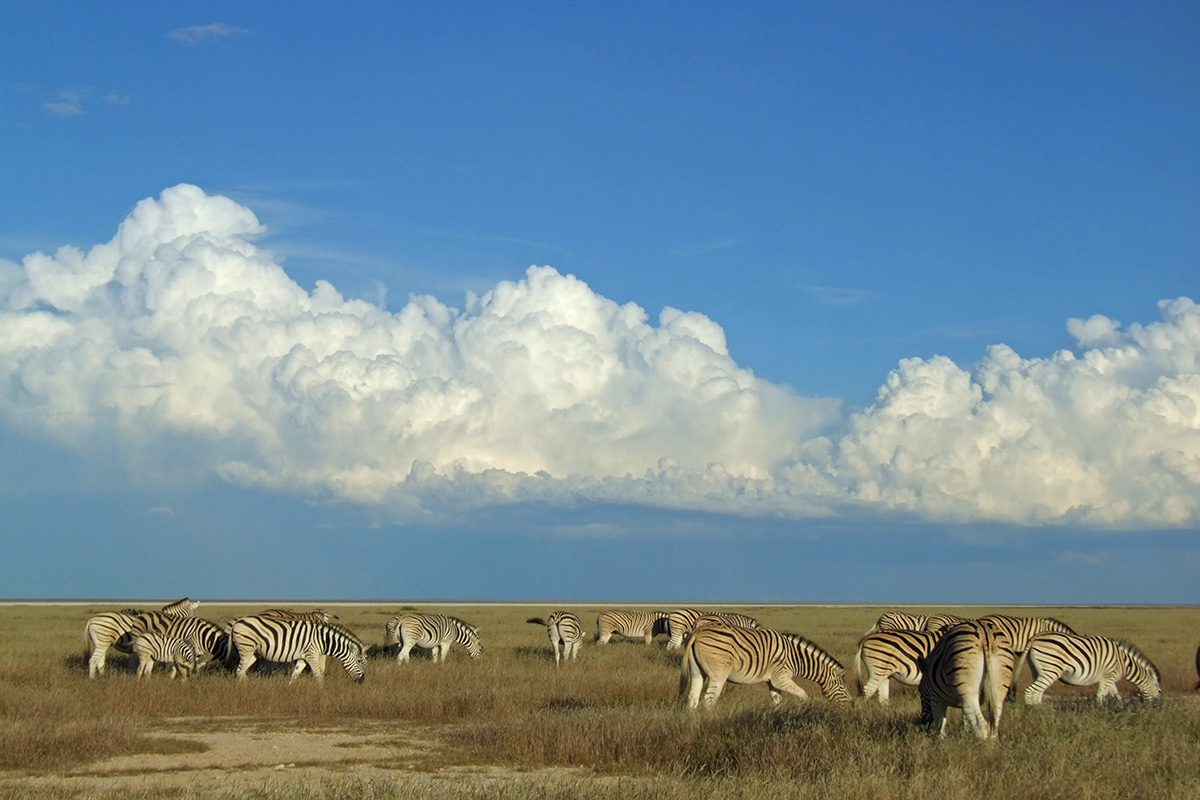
<point x="1018" y="665"/>
<point x="1108" y="688"/>
<point x="246" y="659"/>
<point x="695" y="682"/>
<point x="782" y="683"/>
<point x="296" y="670"/>
<point x="885" y="691"/>
<point x="575" y="645"/>
<point x="713" y="690"/>
<point x="1041" y="682"/>
<point x="973" y="718"/>
<point x="145" y="667"/>
<point x="96" y="661"/>
<point x="405" y="649"/>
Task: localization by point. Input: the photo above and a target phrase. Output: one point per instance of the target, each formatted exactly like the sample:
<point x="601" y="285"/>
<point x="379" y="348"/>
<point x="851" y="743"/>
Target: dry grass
<point x="615" y="713"/>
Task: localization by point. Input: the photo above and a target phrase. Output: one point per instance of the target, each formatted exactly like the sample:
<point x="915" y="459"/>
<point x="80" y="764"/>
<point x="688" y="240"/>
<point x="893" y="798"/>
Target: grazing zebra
<point x="563" y="628"/>
<point x="317" y="615"/>
<point x="1084" y="660"/>
<point x="904" y="621"/>
<point x="305" y="642"/>
<point x="152" y="647"/>
<point x="644" y="625"/>
<point x="939" y="622"/>
<point x="715" y="654"/>
<point x="206" y="638"/>
<point x="682" y="621"/>
<point x="106" y="630"/>
<point x="899" y="621"/>
<point x="970" y="667"/>
<point x="897" y="654"/>
<point x="434" y="632"/>
<point x="1019" y="631"/>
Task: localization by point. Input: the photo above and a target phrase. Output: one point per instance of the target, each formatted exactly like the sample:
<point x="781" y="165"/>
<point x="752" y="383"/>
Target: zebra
<point x="682" y="621"/>
<point x="936" y="623"/>
<point x="1084" y="660"/>
<point x="1019" y="631"/>
<point x="970" y="667"/>
<point x="206" y="638"/>
<point x="317" y="615"/>
<point x="563" y="628"/>
<point x="434" y="632"/>
<point x="898" y="654"/>
<point x="152" y="647"/>
<point x="715" y="654"/>
<point x="111" y="628"/>
<point x="644" y="625"/>
<point x="899" y="621"/>
<point x="904" y="621"/>
<point x="305" y="642"/>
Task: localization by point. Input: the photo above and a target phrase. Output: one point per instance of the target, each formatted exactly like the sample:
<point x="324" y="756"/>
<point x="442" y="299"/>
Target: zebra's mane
<point x="462" y="623"/>
<point x="811" y="647"/>
<point x="342" y="630"/>
<point x="1138" y="656"/>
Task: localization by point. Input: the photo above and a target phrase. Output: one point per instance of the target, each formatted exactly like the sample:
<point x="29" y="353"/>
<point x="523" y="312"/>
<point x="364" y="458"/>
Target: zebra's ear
<point x="195" y="604"/>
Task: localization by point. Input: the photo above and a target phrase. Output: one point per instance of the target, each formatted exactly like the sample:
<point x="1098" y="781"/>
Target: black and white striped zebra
<point x="682" y="621"/>
<point x="108" y="628"/>
<point x="970" y="667"/>
<point x="936" y="623"/>
<point x="716" y="654"/>
<point x="898" y="654"/>
<point x="644" y="625"/>
<point x="151" y="648"/>
<point x="304" y="642"/>
<point x="899" y="621"/>
<point x="1085" y="660"/>
<point x="207" y="639"/>
<point x="316" y="615"/>
<point x="1019" y="631"/>
<point x="905" y="621"/>
<point x="433" y="632"/>
<point x="564" y="629"/>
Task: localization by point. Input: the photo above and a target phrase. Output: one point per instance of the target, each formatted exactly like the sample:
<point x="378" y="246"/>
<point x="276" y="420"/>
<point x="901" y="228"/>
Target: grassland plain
<point x="510" y="725"/>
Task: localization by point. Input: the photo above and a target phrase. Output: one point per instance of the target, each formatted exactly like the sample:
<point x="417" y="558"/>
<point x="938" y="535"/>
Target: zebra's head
<point x="1140" y="671"/>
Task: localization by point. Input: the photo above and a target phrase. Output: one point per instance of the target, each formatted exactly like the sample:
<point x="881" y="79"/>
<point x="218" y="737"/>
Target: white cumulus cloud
<point x="181" y="341"/>
<point x="181" y="330"/>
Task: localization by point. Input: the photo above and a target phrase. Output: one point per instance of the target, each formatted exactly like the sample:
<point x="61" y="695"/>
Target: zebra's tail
<point x="994" y="688"/>
<point x="858" y="672"/>
<point x="536" y="620"/>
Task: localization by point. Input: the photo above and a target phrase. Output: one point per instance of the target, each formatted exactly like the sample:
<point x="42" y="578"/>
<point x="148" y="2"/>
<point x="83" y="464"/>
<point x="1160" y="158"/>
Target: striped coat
<point x="644" y="625"/>
<point x="682" y="621"/>
<point x="434" y="632"/>
<point x="113" y="629"/>
<point x="1086" y="660"/>
<point x="563" y="629"/>
<point x="898" y="654"/>
<point x="715" y="655"/>
<point x="156" y="647"/>
<point x="304" y="642"/>
<point x="970" y="667"/>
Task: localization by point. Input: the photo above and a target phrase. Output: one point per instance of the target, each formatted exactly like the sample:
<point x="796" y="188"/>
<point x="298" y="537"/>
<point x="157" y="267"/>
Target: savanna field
<point x="609" y="725"/>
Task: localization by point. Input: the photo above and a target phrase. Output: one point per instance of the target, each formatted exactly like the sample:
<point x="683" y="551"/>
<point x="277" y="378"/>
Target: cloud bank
<point x="182" y="340"/>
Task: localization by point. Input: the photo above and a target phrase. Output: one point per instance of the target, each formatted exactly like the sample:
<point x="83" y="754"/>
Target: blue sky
<point x="779" y="301"/>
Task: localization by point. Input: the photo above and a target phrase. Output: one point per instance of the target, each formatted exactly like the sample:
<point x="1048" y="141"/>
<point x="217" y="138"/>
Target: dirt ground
<point x="254" y="756"/>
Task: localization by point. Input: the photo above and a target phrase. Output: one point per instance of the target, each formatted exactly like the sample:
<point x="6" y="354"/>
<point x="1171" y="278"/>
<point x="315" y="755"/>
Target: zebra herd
<point x="971" y="664"/>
